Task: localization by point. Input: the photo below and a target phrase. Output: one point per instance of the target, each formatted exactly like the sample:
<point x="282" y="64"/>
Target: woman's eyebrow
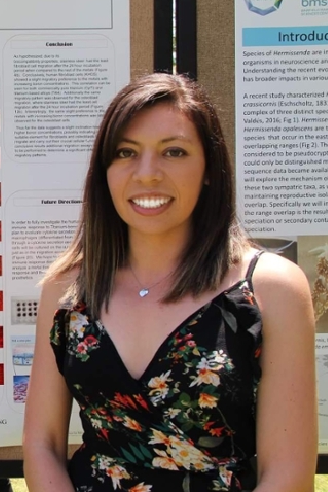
<point x="128" y="140"/>
<point x="164" y="140"/>
<point x="176" y="137"/>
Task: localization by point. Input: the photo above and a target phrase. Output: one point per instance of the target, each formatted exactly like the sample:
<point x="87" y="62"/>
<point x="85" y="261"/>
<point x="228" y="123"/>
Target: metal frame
<point x="11" y="469"/>
<point x="322" y="467"/>
<point x="186" y="34"/>
<point x="163" y="35"/>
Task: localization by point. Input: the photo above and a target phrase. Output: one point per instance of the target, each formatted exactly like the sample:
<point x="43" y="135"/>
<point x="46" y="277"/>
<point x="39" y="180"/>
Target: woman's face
<point x="158" y="171"/>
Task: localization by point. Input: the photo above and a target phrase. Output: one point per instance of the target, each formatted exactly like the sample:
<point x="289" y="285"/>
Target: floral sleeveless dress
<point x="188" y="424"/>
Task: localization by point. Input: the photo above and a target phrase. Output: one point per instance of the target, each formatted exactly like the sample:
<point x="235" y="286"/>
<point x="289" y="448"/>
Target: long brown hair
<point x="100" y="246"/>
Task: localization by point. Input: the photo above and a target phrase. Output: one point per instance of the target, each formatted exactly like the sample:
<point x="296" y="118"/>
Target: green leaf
<point x="184" y="399"/>
<point x="129" y="456"/>
<point x="137" y="452"/>
<point x="210" y="389"/>
<point x="181" y="417"/>
<point x="187" y="426"/>
<point x="210" y="441"/>
<point x="194" y="404"/>
<point x="145" y="452"/>
<point x="179" y="405"/>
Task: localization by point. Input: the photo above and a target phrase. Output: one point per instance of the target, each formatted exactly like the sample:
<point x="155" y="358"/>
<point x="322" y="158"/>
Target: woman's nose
<point x="148" y="168"/>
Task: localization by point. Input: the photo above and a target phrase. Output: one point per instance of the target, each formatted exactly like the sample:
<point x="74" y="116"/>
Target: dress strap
<point x="251" y="267"/>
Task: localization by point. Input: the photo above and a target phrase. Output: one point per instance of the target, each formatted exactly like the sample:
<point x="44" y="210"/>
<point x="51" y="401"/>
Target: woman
<point x="161" y="303"/>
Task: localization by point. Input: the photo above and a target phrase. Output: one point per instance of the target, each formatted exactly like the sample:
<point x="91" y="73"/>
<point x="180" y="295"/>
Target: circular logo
<point x="263" y="7"/>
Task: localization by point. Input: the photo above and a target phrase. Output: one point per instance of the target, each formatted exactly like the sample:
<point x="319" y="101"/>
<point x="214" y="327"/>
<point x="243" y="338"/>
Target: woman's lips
<point x="151" y="204"/>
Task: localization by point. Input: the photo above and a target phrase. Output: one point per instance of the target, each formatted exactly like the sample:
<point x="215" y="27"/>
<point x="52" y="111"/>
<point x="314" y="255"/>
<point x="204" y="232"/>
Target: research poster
<point x="62" y="62"/>
<point x="282" y="145"/>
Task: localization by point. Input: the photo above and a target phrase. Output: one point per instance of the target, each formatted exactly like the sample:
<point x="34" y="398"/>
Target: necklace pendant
<point x="143" y="292"/>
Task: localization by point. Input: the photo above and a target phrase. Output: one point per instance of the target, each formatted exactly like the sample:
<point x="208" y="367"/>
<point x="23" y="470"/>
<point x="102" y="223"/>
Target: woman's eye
<point x="124" y="153"/>
<point x="175" y="152"/>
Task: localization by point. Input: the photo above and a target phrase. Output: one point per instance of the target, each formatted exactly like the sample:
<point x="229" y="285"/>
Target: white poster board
<point x="282" y="144"/>
<point x="62" y="61"/>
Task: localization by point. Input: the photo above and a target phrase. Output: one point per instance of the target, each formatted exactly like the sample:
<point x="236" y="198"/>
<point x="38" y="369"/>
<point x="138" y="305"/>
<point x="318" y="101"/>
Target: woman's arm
<point x="286" y="411"/>
<point x="48" y="407"/>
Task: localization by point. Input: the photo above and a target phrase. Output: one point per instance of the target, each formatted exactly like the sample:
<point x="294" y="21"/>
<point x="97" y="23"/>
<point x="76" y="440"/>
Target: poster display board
<point x="61" y="64"/>
<point x="281" y="63"/>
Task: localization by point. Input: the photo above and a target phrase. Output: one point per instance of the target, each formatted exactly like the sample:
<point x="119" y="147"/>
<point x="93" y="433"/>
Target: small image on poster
<point x="22" y="349"/>
<point x="313" y="259"/>
<point x="20" y="385"/>
<point x="1" y="357"/>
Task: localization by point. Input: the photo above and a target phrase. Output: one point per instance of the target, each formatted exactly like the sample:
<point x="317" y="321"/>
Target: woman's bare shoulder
<point x="275" y="271"/>
<point x="282" y="290"/>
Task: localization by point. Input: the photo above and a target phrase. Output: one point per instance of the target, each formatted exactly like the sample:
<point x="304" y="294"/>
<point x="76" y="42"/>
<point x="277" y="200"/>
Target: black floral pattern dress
<point x="188" y="424"/>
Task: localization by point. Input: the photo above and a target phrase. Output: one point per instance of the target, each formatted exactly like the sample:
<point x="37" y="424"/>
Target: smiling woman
<point x="157" y="174"/>
<point x="168" y="327"/>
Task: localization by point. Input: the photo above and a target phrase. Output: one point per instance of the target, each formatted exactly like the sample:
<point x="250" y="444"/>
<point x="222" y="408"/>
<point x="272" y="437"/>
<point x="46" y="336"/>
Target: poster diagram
<point x="282" y="145"/>
<point x="61" y="66"/>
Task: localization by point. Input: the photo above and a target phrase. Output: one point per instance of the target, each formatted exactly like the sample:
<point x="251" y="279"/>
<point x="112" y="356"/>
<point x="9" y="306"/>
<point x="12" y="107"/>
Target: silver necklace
<point x="144" y="291"/>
